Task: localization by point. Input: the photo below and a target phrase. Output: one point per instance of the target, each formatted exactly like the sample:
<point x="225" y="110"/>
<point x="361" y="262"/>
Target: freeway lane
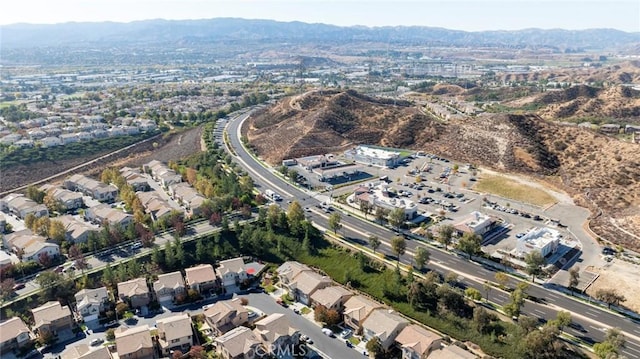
<point x="356" y="229"/>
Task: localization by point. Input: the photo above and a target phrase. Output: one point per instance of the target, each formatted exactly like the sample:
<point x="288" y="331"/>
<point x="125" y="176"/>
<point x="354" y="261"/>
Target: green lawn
<point x="508" y="188"/>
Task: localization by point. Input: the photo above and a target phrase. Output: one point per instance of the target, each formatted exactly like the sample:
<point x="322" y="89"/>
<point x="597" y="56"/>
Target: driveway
<point x="332" y="347"/>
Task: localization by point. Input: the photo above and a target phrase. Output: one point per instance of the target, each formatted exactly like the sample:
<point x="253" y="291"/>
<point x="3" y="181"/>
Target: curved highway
<point x="593" y="319"/>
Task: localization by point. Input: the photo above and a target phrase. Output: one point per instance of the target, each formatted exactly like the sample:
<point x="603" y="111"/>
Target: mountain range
<point x="232" y="30"/>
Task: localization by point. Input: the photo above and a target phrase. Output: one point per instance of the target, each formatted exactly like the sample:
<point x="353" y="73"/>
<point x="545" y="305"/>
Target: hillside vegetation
<point x="601" y="172"/>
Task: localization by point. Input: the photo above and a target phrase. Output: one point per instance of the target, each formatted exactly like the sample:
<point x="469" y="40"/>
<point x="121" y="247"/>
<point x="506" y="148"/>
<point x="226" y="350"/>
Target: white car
<point x="96" y="341"/>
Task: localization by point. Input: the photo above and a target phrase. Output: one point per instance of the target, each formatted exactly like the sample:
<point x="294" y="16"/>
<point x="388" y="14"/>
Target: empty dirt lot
<point x="621" y="276"/>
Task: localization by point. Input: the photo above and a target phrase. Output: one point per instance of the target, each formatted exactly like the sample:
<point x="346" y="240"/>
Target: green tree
<point x="472" y="293"/>
<point x="398" y="246"/>
<point x="562" y="319"/>
<point x="514" y="307"/>
<point x="445" y="235"/>
<point x="57" y="232"/>
<point x="335" y="222"/>
<point x="396" y="217"/>
<point x="574" y="278"/>
<point x="295" y="216"/>
<point x="180" y="256"/>
<point x="374" y="347"/>
<point x="366" y="208"/>
<point x="470" y="243"/>
<point x="534" y="260"/>
<point x="169" y="255"/>
<point x="502" y="278"/>
<point x="609" y="296"/>
<point x="422" y="257"/>
<point x="381" y="214"/>
<point x="374" y="242"/>
<point x="487" y="288"/>
<point x="481" y="320"/>
<point x="35" y="194"/>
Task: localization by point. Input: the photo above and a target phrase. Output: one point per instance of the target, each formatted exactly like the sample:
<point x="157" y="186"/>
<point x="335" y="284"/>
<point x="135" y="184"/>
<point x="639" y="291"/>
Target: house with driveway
<point x="232" y="272"/>
<point x="84" y="351"/>
<point x="14" y="335"/>
<point x="332" y="297"/>
<point x="384" y="324"/>
<point x="239" y="343"/>
<point x="175" y="333"/>
<point x="104" y="213"/>
<point x="99" y="191"/>
<point x="135" y="292"/>
<point x="276" y="334"/>
<point x="169" y="287"/>
<point x="69" y="200"/>
<point x="417" y="342"/>
<point x="201" y="278"/>
<point x="91" y="302"/>
<point x="135" y="343"/>
<point x="357" y="309"/>
<point x="226" y="315"/>
<point x="22" y="206"/>
<point x="306" y="283"/>
<point x="287" y="272"/>
<point x="29" y="246"/>
<point x="52" y="318"/>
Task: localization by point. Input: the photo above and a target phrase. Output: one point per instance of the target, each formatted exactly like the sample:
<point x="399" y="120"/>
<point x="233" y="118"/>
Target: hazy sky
<point x="470" y="15"/>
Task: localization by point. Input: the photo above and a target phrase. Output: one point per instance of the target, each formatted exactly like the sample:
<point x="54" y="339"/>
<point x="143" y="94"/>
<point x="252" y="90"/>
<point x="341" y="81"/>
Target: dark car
<point x="577" y="326"/>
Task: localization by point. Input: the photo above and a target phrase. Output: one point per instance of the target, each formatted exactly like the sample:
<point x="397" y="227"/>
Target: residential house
<point x="357" y="309"/>
<point x="91" y="302"/>
<point x="83" y="351"/>
<point x="175" y="333"/>
<point x="287" y="271"/>
<point x="135" y="343"/>
<point x="154" y="204"/>
<point x="169" y="287"/>
<point x="68" y="199"/>
<point x="384" y="324"/>
<point x="68" y="138"/>
<point x="226" y="315"/>
<point x="452" y="352"/>
<point x="50" y="142"/>
<point x="417" y="342"/>
<point x="610" y="128"/>
<point x="276" y="334"/>
<point x="135" y="179"/>
<point x="104" y="213"/>
<point x="3" y="223"/>
<point x="52" y="318"/>
<point x="201" y="278"/>
<point x="306" y="283"/>
<point x="188" y="197"/>
<point x="239" y="343"/>
<point x="21" y="206"/>
<point x="96" y="189"/>
<point x="29" y="246"/>
<point x="14" y="334"/>
<point x="24" y="143"/>
<point x="232" y="272"/>
<point x="161" y="173"/>
<point x="76" y="231"/>
<point x="135" y="292"/>
<point x="332" y="297"/>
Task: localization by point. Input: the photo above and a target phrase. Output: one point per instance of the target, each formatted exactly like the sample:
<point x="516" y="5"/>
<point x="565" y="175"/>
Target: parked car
<point x="346" y="333"/>
<point x="96" y="341"/>
<point x="18" y="286"/>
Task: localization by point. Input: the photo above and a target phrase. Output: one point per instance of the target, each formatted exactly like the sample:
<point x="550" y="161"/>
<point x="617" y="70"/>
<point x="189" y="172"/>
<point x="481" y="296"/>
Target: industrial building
<point x="545" y="240"/>
<point x="376" y="156"/>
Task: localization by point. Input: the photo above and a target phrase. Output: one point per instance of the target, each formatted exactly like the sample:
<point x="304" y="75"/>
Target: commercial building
<point x="376" y="156"/>
<point x="476" y="223"/>
<point x="546" y="240"/>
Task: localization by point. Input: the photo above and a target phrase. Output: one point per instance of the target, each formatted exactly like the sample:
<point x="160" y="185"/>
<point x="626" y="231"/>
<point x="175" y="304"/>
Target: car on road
<point x="96" y="341"/>
<point x="307" y="209"/>
<point x="111" y="324"/>
<point x="18" y="286"/>
<point x="577" y="326"/>
<point x="328" y="332"/>
<point x="135" y="246"/>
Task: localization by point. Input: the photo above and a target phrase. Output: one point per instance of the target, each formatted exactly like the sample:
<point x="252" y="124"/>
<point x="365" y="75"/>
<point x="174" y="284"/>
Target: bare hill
<point x="600" y="172"/>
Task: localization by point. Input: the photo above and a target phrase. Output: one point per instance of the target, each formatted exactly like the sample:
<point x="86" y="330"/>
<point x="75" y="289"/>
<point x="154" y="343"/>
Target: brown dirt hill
<point x="616" y="102"/>
<point x="601" y="173"/>
<point x="619" y="73"/>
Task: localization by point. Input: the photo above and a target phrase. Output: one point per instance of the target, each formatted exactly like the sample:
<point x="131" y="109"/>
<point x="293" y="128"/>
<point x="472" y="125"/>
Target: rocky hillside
<point x="600" y="172"/>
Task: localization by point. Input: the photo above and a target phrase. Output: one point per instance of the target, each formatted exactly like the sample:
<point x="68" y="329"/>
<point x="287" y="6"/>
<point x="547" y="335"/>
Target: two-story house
<point x="287" y="272"/>
<point x="91" y="302"/>
<point x="332" y="297"/>
<point x="226" y="315"/>
<point x="232" y="272"/>
<point x="239" y="343"/>
<point x="276" y="334"/>
<point x="357" y="309"/>
<point x="169" y="287"/>
<point x="14" y="334"/>
<point x="384" y="324"/>
<point x="201" y="278"/>
<point x="417" y="342"/>
<point x="135" y="292"/>
<point x="135" y="343"/>
<point x="306" y="283"/>
<point x="52" y="318"/>
<point x="84" y="351"/>
<point x="175" y="333"/>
